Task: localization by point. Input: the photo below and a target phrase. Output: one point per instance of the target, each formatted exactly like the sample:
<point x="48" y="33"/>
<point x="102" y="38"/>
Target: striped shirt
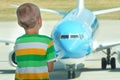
<point x="32" y="53"/>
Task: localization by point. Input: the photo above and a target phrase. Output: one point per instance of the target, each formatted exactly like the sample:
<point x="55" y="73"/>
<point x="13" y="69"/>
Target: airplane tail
<point x="80" y="5"/>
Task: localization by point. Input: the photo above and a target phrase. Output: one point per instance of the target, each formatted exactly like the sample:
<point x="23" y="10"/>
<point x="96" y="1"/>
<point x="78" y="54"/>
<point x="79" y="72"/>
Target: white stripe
<point x="32" y="70"/>
<point x="31" y="45"/>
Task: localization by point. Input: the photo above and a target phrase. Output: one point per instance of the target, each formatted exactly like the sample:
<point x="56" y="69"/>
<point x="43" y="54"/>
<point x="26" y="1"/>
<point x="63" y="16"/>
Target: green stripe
<point x="16" y="79"/>
<point x="50" y="56"/>
<point x="33" y="38"/>
<point x="51" y="53"/>
<point x="50" y="49"/>
<point x="30" y="57"/>
<point x="31" y="64"/>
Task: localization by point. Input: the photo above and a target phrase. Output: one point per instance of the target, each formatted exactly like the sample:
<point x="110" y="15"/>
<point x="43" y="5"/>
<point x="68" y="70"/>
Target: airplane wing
<point x="102" y="46"/>
<point x="46" y="10"/>
<point x="106" y="11"/>
<point x="6" y="41"/>
<point x="53" y="11"/>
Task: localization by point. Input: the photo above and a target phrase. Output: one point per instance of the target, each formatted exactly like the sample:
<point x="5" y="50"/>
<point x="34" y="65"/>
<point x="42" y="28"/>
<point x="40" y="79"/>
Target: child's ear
<point x="40" y="21"/>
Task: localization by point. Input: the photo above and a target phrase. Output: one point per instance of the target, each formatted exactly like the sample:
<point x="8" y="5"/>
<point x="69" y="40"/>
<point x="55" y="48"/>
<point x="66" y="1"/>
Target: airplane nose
<point x="74" y="48"/>
<point x="69" y="45"/>
<point x="72" y="39"/>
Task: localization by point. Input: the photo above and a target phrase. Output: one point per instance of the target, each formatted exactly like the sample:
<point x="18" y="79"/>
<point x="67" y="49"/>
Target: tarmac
<point x="109" y="31"/>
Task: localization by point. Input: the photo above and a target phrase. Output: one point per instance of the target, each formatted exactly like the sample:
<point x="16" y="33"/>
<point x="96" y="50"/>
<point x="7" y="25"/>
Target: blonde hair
<point x="28" y="15"/>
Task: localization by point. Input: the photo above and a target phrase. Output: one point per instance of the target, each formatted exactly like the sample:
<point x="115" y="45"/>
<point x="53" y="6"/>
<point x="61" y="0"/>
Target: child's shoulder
<point x="44" y="36"/>
<point x="34" y="35"/>
<point x="34" y="38"/>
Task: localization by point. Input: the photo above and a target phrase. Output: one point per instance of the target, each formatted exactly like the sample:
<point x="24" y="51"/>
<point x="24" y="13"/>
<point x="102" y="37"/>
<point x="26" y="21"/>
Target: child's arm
<point x="51" y="57"/>
<point x="50" y="66"/>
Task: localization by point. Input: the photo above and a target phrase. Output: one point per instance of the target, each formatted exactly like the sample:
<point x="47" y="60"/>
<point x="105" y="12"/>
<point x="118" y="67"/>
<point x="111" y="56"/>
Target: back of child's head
<point x="28" y="15"/>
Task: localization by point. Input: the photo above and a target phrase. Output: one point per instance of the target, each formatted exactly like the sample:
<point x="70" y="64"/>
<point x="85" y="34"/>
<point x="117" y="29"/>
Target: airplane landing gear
<point x="113" y="63"/>
<point x="108" y="60"/>
<point x="71" y="71"/>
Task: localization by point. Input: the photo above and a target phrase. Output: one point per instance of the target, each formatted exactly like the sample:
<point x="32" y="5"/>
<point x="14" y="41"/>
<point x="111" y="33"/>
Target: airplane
<point x="74" y="38"/>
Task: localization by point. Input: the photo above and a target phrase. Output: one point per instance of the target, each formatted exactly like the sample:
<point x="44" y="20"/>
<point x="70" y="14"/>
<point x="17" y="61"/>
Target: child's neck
<point x="32" y="31"/>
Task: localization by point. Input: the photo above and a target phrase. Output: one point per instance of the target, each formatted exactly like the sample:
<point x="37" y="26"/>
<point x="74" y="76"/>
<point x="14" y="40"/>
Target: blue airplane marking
<point x="94" y="26"/>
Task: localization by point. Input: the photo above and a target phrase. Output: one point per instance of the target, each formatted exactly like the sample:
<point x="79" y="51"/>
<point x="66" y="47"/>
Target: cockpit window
<point x="64" y="37"/>
<point x="72" y="36"/>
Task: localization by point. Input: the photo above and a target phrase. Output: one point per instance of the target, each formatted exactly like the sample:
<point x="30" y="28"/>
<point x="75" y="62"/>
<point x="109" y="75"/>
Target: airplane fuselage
<point x="73" y="36"/>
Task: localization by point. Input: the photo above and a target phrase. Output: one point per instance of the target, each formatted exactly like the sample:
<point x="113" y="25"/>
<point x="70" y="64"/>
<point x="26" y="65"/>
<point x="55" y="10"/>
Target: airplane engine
<point x="118" y="56"/>
<point x="12" y="59"/>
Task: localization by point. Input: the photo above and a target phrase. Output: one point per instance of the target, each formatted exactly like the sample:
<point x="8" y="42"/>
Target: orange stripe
<point x="32" y="76"/>
<point x="50" y="44"/>
<point x="30" y="51"/>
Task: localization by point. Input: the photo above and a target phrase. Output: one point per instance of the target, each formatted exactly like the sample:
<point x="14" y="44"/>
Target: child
<point x="34" y="53"/>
